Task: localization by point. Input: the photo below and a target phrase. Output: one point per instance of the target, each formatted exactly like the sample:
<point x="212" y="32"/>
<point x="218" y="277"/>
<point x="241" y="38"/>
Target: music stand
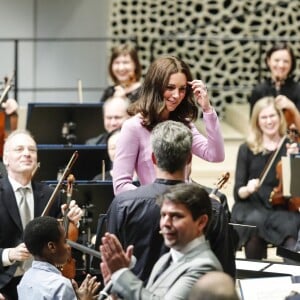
<point x="95" y="196"/>
<point x="53" y="159"/>
<point x="287" y="253"/>
<point x="64" y="123"/>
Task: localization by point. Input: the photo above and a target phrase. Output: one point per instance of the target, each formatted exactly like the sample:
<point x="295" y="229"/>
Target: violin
<point x="68" y="270"/>
<point x="277" y="198"/>
<point x="220" y="183"/>
<point x="71" y="230"/>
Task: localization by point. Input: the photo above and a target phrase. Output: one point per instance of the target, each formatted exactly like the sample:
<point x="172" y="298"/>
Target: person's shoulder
<point x="134" y="122"/>
<point x="262" y="85"/>
<point x="100" y="139"/>
<point x="107" y="93"/>
<point x="244" y="146"/>
<point x="202" y="257"/>
<point x="5" y="185"/>
<point x="262" y="89"/>
<point x="136" y="119"/>
<point x="3" y="181"/>
<point x="291" y="82"/>
<point x="41" y="186"/>
<point x="204" y="253"/>
<point x="142" y="193"/>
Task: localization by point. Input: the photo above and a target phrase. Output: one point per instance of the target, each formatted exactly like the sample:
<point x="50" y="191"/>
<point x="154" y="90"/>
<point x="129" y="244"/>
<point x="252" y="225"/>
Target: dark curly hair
<point x="39" y="232"/>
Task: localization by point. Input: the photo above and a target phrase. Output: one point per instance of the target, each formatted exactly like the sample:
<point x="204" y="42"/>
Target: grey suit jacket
<point x="175" y="282"/>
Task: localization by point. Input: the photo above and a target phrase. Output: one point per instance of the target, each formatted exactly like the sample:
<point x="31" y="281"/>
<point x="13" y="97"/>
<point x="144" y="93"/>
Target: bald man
<point x="114" y="115"/>
<point x="214" y="285"/>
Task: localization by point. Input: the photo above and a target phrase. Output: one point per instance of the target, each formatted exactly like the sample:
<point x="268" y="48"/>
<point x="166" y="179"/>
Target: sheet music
<point x="284" y="269"/>
<point x="286" y="176"/>
<point x="250" y="265"/>
<point x="275" y="288"/>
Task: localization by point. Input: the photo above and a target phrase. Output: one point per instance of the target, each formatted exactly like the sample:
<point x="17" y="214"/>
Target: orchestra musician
<point x="20" y="160"/>
<point x="281" y="62"/>
<point x="125" y="71"/>
<point x="274" y="224"/>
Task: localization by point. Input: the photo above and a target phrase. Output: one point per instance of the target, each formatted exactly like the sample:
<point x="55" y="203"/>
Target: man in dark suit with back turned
<point x="134" y="215"/>
<point x="20" y="160"/>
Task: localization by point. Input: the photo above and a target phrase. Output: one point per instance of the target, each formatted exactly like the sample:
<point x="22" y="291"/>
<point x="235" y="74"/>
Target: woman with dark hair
<point x="281" y="63"/>
<point x="167" y="93"/>
<point x="125" y="71"/>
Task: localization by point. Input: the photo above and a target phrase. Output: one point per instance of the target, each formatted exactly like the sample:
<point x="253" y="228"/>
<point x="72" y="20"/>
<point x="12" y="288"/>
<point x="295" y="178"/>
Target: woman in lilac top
<point x="168" y="93"/>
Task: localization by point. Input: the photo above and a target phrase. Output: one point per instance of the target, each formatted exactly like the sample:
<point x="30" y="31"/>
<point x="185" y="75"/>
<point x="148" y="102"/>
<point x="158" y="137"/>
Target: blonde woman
<point x="274" y="225"/>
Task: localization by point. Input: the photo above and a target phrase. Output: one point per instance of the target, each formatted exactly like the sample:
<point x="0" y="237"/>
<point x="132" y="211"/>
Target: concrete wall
<point x="54" y="68"/>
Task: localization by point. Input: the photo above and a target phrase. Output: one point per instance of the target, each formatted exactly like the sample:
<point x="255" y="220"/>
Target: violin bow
<point x="269" y="164"/>
<point x="64" y="175"/>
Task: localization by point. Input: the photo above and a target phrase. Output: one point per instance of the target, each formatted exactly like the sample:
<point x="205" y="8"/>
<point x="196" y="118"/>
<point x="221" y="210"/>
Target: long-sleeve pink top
<point x="133" y="151"/>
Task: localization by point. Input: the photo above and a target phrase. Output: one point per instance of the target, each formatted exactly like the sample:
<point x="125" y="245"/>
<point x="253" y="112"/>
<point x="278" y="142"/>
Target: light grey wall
<point x="57" y="65"/>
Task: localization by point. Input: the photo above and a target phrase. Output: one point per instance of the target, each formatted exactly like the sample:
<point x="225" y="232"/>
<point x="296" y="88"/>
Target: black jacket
<point x="134" y="218"/>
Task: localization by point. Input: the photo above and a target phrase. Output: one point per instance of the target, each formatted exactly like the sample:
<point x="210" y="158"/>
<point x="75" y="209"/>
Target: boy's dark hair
<point x="39" y="232"/>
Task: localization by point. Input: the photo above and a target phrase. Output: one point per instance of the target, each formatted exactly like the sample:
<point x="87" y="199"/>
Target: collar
<point x="15" y="185"/>
<point x="43" y="265"/>
<point x="167" y="181"/>
<point x="176" y="255"/>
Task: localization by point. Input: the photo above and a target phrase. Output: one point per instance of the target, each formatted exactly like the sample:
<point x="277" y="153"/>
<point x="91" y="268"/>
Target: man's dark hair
<point x="191" y="195"/>
<point x="39" y="232"/>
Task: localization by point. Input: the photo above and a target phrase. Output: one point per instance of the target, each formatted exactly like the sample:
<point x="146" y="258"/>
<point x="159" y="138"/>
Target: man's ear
<point x="189" y="160"/>
<point x="51" y="246"/>
<point x="202" y="223"/>
<point x="153" y="158"/>
<point x="5" y="162"/>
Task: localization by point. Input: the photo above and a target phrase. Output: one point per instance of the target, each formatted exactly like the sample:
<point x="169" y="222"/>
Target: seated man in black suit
<point x="21" y="200"/>
<point x="134" y="215"/>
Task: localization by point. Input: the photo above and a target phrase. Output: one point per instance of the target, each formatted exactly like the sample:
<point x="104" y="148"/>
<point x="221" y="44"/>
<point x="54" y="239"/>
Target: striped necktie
<point x="24" y="207"/>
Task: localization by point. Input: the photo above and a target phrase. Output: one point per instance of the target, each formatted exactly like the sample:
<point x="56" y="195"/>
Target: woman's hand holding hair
<point x="201" y="95"/>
